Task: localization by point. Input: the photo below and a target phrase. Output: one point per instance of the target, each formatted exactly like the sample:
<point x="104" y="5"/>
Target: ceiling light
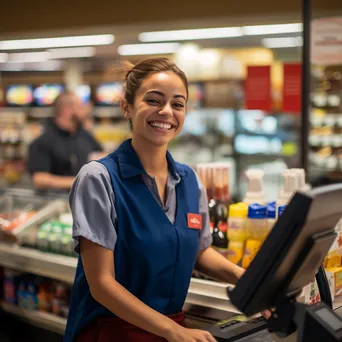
<point x="41" y="43"/>
<point x="147" y="49"/>
<point x="72" y="52"/>
<point x="28" y="57"/>
<point x="3" y="57"/>
<point x="45" y="66"/>
<point x="272" y="29"/>
<point x="12" y="67"/>
<point x="176" y="35"/>
<point x="285" y="42"/>
<point x="219" y="32"/>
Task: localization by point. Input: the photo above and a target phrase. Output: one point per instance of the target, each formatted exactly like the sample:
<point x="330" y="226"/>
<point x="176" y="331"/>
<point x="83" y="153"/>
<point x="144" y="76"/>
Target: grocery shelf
<point x="37" y="318"/>
<point x="33" y="261"/>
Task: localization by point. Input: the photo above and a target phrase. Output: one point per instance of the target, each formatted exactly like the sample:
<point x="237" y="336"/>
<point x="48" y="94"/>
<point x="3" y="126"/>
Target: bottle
<point x="44" y="298"/>
<point x="301" y="185"/>
<point x="32" y="296"/>
<point x="21" y="294"/>
<point x="255" y="192"/>
<point x="281" y="209"/>
<point x="237" y="221"/>
<point x="10" y="285"/>
<point x="289" y="188"/>
<point x="218" y="213"/>
<point x="237" y="231"/>
<point x="271" y="215"/>
<point x="54" y="238"/>
<point x="43" y="232"/>
<point x="257" y="230"/>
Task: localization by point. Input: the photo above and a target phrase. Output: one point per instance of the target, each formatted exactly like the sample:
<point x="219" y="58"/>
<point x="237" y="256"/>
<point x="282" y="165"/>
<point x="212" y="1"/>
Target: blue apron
<point x="154" y="258"/>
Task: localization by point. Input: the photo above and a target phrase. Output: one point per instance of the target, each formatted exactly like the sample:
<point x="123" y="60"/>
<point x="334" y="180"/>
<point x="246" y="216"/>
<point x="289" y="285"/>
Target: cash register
<point x="287" y="261"/>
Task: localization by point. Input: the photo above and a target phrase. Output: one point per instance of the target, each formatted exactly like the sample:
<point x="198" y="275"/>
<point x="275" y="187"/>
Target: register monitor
<point x="292" y="253"/>
<point x="289" y="259"/>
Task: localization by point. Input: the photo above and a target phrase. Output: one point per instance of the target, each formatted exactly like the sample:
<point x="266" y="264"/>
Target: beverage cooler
<point x="325" y="121"/>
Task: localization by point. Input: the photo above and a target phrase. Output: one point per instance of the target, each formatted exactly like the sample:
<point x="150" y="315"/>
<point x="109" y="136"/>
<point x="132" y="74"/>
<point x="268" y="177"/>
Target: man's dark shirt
<point x="59" y="152"/>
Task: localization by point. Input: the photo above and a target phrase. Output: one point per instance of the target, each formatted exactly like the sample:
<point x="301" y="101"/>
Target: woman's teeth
<point x="160" y="125"/>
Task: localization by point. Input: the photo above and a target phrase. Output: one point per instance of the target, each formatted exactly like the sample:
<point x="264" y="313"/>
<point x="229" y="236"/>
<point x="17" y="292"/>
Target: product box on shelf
<point x="334" y="276"/>
<point x="311" y="293"/>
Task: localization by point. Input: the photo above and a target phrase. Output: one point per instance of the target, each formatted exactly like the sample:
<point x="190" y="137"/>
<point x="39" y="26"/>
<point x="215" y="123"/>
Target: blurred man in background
<point x="65" y="146"/>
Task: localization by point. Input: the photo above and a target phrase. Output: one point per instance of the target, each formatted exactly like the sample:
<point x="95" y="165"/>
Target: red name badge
<point x="195" y="221"/>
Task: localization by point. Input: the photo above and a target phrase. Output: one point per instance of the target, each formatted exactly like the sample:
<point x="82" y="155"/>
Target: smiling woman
<point x="141" y="224"/>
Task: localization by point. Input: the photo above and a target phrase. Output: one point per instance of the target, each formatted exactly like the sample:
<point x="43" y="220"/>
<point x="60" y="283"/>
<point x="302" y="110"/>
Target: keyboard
<point x="234" y="330"/>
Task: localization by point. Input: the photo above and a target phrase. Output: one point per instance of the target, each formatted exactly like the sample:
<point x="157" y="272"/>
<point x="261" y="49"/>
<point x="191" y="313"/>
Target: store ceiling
<point x="127" y="19"/>
<point x="39" y="16"/>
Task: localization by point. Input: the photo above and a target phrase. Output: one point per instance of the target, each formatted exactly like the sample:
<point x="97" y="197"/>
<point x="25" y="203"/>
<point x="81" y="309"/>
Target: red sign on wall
<point x="292" y="90"/>
<point x="258" y="88"/>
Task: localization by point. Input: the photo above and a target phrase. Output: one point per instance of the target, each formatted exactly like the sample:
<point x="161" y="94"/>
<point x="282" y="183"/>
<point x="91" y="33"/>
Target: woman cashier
<point x="141" y="224"/>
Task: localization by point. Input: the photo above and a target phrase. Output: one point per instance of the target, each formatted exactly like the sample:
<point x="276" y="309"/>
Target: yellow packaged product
<point x="332" y="261"/>
<point x="251" y="249"/>
<point x="235" y="251"/>
<point x="337" y="273"/>
<point x="237" y="221"/>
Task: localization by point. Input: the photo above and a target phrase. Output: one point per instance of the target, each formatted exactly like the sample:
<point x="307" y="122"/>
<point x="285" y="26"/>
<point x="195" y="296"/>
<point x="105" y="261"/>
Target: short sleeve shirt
<point x="92" y="202"/>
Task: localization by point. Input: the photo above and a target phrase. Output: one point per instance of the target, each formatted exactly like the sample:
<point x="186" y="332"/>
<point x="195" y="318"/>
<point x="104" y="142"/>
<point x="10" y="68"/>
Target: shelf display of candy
<point x="53" y="236"/>
<point x="35" y="293"/>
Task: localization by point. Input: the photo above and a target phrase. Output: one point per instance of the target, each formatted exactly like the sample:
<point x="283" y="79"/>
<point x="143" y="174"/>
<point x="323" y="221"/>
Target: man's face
<point x="76" y="110"/>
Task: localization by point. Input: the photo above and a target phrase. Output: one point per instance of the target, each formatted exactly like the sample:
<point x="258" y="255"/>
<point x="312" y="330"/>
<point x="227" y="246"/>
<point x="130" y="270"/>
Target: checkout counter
<point x="306" y="229"/>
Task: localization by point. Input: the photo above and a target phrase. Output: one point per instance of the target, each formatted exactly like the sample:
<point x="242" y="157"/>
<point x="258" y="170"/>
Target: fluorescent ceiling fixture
<point x="12" y="67"/>
<point x="42" y="43"/>
<point x="28" y="57"/>
<point x="272" y="29"/>
<point x="78" y="52"/>
<point x="219" y="32"/>
<point x="285" y="42"/>
<point x="3" y="57"/>
<point x="147" y="49"/>
<point x="175" y="35"/>
<point x="45" y="66"/>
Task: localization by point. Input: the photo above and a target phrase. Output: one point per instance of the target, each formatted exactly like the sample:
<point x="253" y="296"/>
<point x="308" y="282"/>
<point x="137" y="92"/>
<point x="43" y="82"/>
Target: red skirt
<point x="118" y="330"/>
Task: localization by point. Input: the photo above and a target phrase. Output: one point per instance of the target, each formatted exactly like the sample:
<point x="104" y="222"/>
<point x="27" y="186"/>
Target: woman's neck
<point x="152" y="158"/>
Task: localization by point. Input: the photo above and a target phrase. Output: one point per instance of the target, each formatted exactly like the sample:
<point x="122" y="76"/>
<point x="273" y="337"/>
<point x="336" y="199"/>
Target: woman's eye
<point x="179" y="105"/>
<point x="152" y="101"/>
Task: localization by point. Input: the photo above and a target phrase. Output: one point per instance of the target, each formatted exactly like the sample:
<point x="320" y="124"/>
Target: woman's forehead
<point x="167" y="81"/>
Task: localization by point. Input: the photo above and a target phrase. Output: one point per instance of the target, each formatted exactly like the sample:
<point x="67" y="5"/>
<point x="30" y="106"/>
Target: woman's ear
<point x="126" y="109"/>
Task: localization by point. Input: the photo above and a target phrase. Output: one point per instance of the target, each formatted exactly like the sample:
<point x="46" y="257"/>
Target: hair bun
<point x="123" y="69"/>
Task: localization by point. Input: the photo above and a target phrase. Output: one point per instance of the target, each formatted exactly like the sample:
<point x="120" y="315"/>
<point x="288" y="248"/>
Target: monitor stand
<point x="315" y="322"/>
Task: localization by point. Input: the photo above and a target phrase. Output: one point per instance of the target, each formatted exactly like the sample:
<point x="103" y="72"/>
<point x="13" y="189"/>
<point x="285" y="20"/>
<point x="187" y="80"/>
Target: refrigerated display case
<point x="325" y="124"/>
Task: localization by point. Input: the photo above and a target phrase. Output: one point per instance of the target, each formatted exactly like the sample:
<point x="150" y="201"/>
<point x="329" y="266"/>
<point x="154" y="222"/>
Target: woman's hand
<point x="266" y="314"/>
<point x="181" y="334"/>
